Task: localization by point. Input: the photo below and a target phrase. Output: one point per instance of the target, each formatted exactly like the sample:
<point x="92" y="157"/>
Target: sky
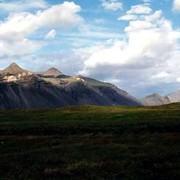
<point x="134" y="44"/>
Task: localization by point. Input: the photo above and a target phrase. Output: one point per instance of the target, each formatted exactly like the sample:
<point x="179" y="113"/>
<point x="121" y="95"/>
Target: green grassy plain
<point x="91" y="142"/>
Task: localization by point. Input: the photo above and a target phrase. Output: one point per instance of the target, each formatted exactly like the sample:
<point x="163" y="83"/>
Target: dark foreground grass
<point x="91" y="143"/>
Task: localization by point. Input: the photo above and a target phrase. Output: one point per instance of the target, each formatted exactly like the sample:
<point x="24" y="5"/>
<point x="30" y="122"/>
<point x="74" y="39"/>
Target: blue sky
<point x="134" y="44"/>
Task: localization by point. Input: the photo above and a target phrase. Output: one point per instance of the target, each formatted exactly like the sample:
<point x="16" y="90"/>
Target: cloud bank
<point x="15" y="30"/>
<point x="147" y="55"/>
<point x="21" y="5"/>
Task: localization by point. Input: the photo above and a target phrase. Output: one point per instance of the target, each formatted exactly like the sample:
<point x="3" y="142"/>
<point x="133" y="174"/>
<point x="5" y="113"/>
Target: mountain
<point x="13" y="69"/>
<point x="22" y="89"/>
<point x="52" y="72"/>
<point x="174" y="97"/>
<point x="155" y="100"/>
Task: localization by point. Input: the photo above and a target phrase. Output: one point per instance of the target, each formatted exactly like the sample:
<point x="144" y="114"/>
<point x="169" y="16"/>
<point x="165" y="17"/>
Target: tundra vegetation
<point x="91" y="142"/>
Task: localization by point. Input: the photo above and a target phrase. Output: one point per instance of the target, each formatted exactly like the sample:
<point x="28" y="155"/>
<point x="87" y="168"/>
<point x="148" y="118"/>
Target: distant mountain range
<point x="157" y="99"/>
<point x="21" y="88"/>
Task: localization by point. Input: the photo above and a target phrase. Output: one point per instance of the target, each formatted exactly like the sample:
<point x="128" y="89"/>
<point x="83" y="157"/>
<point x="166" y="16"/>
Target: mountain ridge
<point x="20" y="88"/>
<point x="155" y="99"/>
<point x="174" y="97"/>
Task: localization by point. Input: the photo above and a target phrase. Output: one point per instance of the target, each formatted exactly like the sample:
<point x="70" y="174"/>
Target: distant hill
<point x="174" y="97"/>
<point x="52" y="72"/>
<point x="20" y="88"/>
<point x="155" y="100"/>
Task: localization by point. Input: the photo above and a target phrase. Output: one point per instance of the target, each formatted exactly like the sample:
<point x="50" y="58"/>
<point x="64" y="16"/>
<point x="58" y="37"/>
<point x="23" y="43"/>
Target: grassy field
<point x="91" y="143"/>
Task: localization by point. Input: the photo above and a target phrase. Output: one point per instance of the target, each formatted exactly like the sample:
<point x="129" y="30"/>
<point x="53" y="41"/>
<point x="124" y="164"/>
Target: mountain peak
<point x="52" y="72"/>
<point x="13" y="65"/>
<point x="53" y="69"/>
<point x="13" y="69"/>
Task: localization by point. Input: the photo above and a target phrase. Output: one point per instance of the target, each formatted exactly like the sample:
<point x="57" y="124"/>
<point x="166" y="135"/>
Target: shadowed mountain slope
<point x="52" y="88"/>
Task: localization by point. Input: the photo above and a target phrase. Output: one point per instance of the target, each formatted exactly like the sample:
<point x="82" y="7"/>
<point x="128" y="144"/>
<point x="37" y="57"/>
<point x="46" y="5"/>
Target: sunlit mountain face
<point x="132" y="44"/>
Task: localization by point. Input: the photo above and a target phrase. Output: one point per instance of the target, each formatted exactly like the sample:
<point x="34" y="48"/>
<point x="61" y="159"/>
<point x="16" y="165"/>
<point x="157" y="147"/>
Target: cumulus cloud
<point x="113" y="5"/>
<point x="18" y="26"/>
<point x="136" y="12"/>
<point x="20" y="48"/>
<point x="176" y="5"/>
<point x="51" y="34"/>
<point x="138" y="25"/>
<point x="62" y="15"/>
<point x="128" y="17"/>
<point x="21" y="5"/>
<point x="161" y="75"/>
<point x="149" y="54"/>
<point x="140" y="9"/>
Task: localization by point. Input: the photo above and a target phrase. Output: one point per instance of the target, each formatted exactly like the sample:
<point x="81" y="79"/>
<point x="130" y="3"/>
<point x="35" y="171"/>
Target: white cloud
<point x="138" y="25"/>
<point x="128" y="17"/>
<point x="154" y="17"/>
<point x="51" y="34"/>
<point x="140" y="12"/>
<point x="63" y="15"/>
<point x="162" y="75"/>
<point x="21" y="5"/>
<point x="148" y="56"/>
<point x="176" y="5"/>
<point x="20" y="48"/>
<point x="19" y="26"/>
<point x="141" y="51"/>
<point x="113" y="5"/>
<point x="178" y="79"/>
<point x="140" y="9"/>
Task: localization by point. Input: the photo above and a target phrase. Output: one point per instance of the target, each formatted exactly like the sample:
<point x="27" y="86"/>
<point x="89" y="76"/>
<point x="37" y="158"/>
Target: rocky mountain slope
<point x="155" y="100"/>
<point x="52" y="72"/>
<point x="13" y="69"/>
<point x="174" y="97"/>
<point x="20" y="88"/>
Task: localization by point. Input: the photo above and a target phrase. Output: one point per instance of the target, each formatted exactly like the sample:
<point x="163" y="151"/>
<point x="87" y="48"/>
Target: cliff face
<point x="23" y="89"/>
